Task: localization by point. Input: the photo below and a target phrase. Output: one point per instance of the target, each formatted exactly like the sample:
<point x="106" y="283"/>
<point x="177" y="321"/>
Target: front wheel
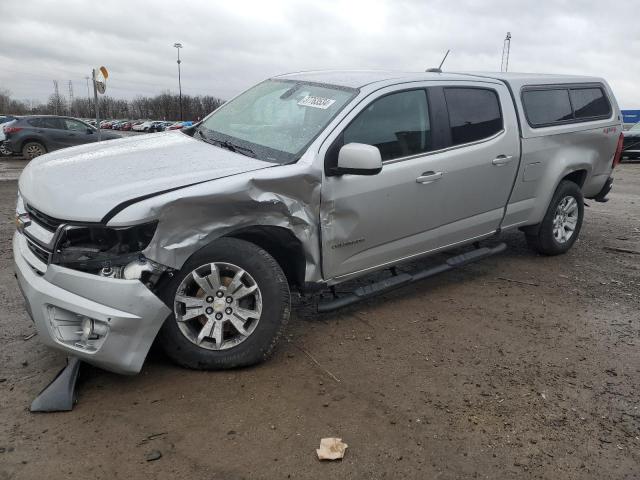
<point x="230" y="304"/>
<point x="561" y="225"/>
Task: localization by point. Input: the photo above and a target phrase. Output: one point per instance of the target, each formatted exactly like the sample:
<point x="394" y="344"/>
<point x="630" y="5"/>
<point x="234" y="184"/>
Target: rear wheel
<point x="33" y="149"/>
<point x="561" y="225"/>
<point x="230" y="305"/>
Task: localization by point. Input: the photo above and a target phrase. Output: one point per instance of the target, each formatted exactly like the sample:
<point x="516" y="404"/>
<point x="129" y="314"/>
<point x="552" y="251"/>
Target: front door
<point x="77" y="133"/>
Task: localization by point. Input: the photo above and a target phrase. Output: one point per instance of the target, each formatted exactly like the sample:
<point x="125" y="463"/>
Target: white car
<point x="142" y="127"/>
<point x="4" y="120"/>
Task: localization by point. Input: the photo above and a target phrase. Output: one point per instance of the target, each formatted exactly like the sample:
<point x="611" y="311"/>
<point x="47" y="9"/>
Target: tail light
<point x="618" y="155"/>
<point x="12" y="129"/>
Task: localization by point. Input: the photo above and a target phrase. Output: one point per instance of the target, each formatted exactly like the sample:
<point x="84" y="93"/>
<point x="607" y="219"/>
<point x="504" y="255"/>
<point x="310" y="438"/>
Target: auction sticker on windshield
<point x="316" y="102"/>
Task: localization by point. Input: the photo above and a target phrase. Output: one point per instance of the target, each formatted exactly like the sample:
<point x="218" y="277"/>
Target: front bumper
<point x="127" y="315"/>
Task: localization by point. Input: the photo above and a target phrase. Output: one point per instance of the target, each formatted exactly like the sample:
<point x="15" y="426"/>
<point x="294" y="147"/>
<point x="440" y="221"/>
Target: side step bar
<point x="368" y="291"/>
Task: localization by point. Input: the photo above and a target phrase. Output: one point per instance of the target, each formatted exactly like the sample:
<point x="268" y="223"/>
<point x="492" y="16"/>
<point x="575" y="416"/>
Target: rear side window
<point x="46" y="122"/>
<point x="546" y="107"/>
<point x="474" y="114"/>
<point x="569" y="104"/>
<point x="589" y="103"/>
<point x="398" y="124"/>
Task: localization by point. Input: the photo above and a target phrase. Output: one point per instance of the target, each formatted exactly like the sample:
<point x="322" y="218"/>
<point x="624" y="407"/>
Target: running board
<point x="402" y="279"/>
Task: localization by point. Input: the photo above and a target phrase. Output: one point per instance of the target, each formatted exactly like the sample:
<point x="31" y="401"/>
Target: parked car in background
<point x="631" y="146"/>
<point x="125" y="126"/>
<point x="157" y="126"/>
<point x="144" y="126"/>
<point x="179" y="125"/>
<point x="4" y="120"/>
<point x="302" y="182"/>
<point x="35" y="135"/>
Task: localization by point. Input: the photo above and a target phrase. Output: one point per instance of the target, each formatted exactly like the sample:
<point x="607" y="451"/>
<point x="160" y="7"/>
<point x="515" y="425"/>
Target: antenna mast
<point x="506" y="46"/>
<point x="443" y="59"/>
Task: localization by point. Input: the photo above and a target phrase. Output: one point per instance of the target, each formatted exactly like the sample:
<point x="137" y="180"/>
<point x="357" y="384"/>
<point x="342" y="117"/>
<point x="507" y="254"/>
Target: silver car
<point x="301" y="182"/>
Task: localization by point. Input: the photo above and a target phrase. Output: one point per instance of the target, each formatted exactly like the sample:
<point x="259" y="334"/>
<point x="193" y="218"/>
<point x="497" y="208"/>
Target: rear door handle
<point x="428" y="177"/>
<point x="502" y="160"/>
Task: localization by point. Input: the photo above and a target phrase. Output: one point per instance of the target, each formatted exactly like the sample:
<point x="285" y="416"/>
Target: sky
<point x="230" y="45"/>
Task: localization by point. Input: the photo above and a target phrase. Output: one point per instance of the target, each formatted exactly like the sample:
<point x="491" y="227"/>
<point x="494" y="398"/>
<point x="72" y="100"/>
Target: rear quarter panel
<point x="551" y="153"/>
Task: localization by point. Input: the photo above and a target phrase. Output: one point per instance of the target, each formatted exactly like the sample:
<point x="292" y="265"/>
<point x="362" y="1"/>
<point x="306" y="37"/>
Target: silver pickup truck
<point x="299" y="183"/>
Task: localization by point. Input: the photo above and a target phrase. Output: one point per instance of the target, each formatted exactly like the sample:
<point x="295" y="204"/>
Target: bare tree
<point x="164" y="106"/>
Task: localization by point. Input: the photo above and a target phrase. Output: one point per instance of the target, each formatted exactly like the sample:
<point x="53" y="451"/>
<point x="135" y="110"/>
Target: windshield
<point x="277" y="119"/>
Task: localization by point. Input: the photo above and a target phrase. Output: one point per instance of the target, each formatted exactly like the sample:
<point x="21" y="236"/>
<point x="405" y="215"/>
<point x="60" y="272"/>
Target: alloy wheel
<point x="565" y="219"/>
<point x="218" y="306"/>
<point x="34" y="150"/>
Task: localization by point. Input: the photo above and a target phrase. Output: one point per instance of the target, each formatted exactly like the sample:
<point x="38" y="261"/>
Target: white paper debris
<point x="331" y="449"/>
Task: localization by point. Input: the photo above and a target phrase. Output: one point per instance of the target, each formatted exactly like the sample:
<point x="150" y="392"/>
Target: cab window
<point x="398" y="124"/>
<point x="474" y="114"/>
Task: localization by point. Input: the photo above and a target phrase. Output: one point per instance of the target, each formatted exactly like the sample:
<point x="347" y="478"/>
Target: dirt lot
<point x="516" y="367"/>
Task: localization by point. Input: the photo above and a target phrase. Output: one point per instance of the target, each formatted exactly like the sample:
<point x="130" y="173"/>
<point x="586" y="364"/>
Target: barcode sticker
<point x="316" y="102"/>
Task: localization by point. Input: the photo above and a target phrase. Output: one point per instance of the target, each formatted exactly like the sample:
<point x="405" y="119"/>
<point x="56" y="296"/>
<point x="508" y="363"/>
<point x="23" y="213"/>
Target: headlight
<point x="93" y="248"/>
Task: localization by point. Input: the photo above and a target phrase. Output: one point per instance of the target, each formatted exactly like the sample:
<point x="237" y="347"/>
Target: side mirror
<point x="358" y="159"/>
<point x="89" y="130"/>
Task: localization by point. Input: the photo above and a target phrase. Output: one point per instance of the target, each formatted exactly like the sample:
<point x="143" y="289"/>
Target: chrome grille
<point x="38" y="251"/>
<point x="43" y="219"/>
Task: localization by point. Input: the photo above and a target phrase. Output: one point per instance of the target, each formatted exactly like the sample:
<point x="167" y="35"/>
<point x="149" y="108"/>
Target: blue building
<point x="630" y="116"/>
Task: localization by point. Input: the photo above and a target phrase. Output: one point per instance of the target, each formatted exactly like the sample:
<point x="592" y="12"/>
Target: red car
<point x="125" y="126"/>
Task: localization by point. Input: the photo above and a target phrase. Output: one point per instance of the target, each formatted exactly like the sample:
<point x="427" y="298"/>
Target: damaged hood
<point x="84" y="183"/>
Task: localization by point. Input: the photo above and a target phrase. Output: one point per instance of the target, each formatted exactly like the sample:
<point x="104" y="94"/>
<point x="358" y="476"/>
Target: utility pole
<point x="70" y="98"/>
<point x="506" y="46"/>
<point x="56" y="96"/>
<point x="178" y="46"/>
<point x="88" y="97"/>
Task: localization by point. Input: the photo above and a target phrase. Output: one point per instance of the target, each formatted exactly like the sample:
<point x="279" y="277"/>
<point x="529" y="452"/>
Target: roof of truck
<point x="361" y="78"/>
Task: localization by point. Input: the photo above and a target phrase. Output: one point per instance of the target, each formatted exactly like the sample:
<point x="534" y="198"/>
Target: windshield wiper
<point x="228" y="145"/>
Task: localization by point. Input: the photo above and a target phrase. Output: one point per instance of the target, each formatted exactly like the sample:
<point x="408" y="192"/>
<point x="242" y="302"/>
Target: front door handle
<point x="502" y="160"/>
<point x="428" y="177"/>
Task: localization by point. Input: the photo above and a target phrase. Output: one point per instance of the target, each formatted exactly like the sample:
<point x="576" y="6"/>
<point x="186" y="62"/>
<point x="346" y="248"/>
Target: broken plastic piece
<point x="60" y="394"/>
<point x="331" y="449"/>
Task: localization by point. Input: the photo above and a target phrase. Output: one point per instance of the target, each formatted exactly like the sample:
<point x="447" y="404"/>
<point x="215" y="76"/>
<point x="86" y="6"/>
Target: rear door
<point x="480" y="166"/>
<point x="51" y="131"/>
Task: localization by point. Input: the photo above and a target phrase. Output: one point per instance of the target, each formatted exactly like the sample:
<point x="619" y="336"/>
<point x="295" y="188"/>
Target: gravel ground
<point x="520" y="366"/>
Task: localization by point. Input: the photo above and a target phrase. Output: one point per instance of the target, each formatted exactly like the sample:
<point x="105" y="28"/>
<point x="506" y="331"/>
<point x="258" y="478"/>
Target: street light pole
<point x="178" y="46"/>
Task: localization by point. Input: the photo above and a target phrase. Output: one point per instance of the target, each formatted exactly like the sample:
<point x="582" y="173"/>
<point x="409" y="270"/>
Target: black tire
<point x="5" y="152"/>
<point x="544" y="241"/>
<point x="31" y="150"/>
<point x="276" y="308"/>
